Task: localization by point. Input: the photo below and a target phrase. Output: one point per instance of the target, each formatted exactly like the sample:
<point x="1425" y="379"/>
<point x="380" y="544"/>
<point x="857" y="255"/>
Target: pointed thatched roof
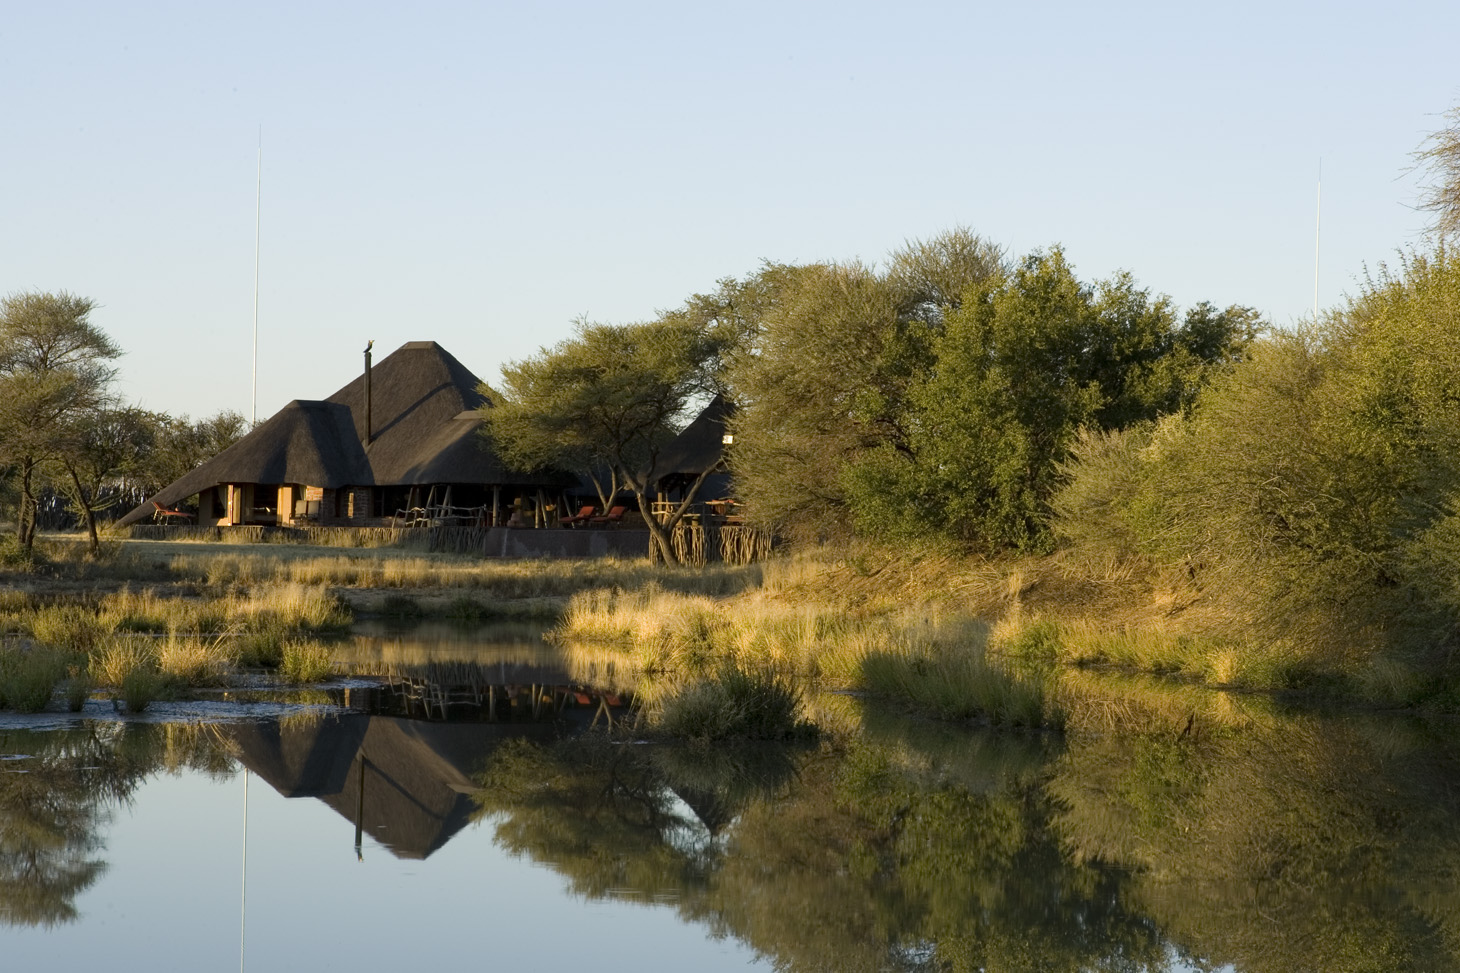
<point x="700" y="446"/>
<point x="424" y="427"/>
<point x="418" y="777"/>
<point x="415" y="390"/>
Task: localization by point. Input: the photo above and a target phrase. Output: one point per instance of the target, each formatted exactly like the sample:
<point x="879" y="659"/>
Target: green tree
<point x="1026" y="361"/>
<point x="1314" y="489"/>
<point x="181" y="444"/>
<point x="605" y="402"/>
<point x="99" y="451"/>
<point x="54" y="368"/>
<point x="821" y="375"/>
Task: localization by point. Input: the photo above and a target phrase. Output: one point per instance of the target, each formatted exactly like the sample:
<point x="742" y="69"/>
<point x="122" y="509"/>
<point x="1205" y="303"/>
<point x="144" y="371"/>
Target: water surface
<point x="1236" y="836"/>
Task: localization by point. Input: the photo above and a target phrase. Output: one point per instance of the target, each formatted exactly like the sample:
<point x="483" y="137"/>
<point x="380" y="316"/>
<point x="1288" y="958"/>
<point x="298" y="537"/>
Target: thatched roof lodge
<point x="698" y="449"/>
<point x="405" y="434"/>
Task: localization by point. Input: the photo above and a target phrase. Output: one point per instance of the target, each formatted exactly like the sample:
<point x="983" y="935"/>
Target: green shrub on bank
<point x="733" y="703"/>
<point x="1313" y="494"/>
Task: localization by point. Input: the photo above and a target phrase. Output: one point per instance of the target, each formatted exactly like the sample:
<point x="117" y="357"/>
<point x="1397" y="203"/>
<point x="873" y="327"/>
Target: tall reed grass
<point x="928" y="659"/>
<point x="28" y="677"/>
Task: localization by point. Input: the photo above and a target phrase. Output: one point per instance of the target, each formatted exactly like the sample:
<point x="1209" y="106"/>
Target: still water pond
<point x="356" y="828"/>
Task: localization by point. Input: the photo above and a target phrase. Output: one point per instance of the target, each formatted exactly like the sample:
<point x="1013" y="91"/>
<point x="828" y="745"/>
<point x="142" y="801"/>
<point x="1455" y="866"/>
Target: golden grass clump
<point x="119" y="656"/>
<point x="305" y="662"/>
<point x="71" y="627"/>
<point x="198" y="661"/>
<point x="28" y="678"/>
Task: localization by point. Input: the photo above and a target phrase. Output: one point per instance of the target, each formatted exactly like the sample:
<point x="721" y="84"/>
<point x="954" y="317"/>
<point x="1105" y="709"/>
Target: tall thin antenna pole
<point x="1317" y="239"/>
<point x="243" y="894"/>
<point x="253" y="408"/>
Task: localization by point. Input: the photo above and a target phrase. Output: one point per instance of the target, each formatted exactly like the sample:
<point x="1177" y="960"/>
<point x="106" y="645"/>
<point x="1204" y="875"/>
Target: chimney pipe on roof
<point x="369" y="430"/>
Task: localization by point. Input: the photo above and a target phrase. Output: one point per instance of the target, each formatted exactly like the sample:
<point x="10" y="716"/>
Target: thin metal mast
<point x="253" y="408"/>
<point x="243" y="893"/>
<point x="1317" y="239"/>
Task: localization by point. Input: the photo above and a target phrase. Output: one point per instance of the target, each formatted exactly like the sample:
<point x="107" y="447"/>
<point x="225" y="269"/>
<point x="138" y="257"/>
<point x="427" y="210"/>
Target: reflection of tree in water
<point x="1307" y="845"/>
<point x="54" y="803"/>
<point x="836" y="859"/>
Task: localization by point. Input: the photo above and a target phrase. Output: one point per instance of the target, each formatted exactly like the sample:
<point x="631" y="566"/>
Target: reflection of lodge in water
<point x="512" y="675"/>
<point x="455" y="690"/>
<point x="403" y="771"/>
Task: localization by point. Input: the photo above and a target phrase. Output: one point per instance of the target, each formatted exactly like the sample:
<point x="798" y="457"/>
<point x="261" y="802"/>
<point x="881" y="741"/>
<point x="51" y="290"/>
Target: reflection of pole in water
<point x="243" y="894"/>
<point x="360" y="813"/>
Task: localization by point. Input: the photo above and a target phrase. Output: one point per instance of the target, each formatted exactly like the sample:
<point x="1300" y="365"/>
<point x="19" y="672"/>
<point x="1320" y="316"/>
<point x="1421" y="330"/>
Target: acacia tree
<point x="101" y="449"/>
<point x="181" y="444"/>
<point x="53" y="369"/>
<point x="1440" y="154"/>
<point x="606" y="402"/>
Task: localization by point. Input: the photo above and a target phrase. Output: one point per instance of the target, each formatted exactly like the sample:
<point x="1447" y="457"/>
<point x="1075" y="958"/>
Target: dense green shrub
<point x="1314" y="487"/>
<point x="1026" y="361"/>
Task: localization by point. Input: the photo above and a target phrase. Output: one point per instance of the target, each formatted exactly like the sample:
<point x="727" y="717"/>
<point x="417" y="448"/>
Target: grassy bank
<point x="1032" y="642"/>
<point x="811" y="621"/>
<point x="137" y="646"/>
<point x="1035" y="642"/>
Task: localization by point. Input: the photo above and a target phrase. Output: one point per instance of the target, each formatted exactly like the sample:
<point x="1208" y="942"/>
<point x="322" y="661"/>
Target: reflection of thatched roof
<point x="418" y="777"/>
<point x="700" y="446"/>
<point x="425" y="431"/>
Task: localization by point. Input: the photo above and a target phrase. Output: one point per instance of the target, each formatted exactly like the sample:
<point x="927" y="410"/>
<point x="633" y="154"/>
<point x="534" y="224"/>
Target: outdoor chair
<point x="615" y="515"/>
<point x="584" y="513"/>
<point x="164" y="514"/>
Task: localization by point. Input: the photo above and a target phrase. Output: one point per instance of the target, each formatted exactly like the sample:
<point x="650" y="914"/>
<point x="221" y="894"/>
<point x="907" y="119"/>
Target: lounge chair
<point x="164" y="514"/>
<point x="615" y="515"/>
<point x="584" y="513"/>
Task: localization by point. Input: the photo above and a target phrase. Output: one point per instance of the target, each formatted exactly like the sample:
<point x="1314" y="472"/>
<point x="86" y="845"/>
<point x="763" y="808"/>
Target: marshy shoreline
<point x="1033" y="644"/>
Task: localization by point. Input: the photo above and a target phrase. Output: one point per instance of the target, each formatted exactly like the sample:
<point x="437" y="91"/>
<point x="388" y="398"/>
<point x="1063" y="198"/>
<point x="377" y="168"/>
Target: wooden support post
<point x="496" y="506"/>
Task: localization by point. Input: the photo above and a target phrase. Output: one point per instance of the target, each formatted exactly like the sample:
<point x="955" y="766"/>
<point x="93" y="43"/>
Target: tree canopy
<point x="1439" y="155"/>
<point x="54" y="370"/>
<point x="605" y="403"/>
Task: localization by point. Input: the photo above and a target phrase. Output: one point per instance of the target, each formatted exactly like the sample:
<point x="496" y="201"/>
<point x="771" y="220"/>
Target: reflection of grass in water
<point x="377" y="644"/>
<point x="1125" y="702"/>
<point x="604" y="667"/>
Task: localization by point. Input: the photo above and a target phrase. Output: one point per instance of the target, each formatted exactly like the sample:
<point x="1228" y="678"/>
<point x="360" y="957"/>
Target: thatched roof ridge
<point x="700" y="445"/>
<point x="415" y="389"/>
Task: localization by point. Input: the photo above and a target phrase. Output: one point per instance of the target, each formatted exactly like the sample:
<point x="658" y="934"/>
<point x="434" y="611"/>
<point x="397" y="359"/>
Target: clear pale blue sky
<point x="481" y="174"/>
